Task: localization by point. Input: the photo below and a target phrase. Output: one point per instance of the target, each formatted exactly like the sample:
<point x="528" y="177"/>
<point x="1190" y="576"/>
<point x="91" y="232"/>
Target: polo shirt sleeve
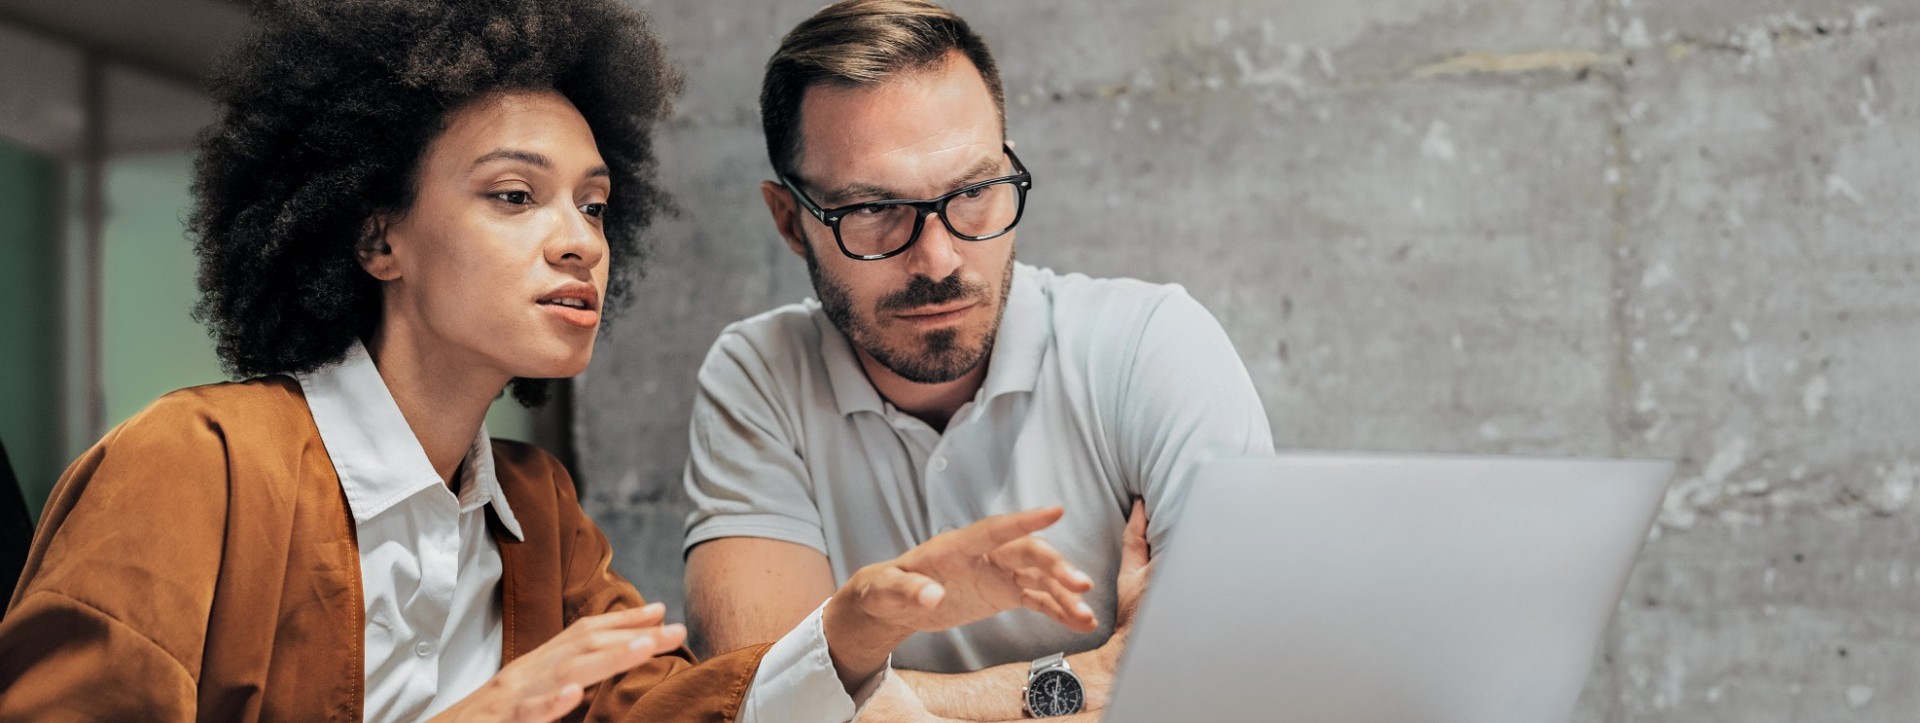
<point x="744" y="473"/>
<point x="1185" y="398"/>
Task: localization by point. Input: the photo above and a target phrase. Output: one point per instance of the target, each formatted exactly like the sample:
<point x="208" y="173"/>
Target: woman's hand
<point x="548" y="683"/>
<point x="955" y="578"/>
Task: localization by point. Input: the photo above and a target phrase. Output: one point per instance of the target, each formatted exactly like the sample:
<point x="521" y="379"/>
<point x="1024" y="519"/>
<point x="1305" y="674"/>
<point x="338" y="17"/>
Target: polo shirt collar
<point x="379" y="460"/>
<point x="1026" y="328"/>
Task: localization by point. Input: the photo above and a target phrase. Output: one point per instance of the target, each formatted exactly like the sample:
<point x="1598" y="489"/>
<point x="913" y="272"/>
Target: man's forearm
<point x="994" y="694"/>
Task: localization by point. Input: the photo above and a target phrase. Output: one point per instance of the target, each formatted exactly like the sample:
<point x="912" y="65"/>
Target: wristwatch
<point x="1052" y="688"/>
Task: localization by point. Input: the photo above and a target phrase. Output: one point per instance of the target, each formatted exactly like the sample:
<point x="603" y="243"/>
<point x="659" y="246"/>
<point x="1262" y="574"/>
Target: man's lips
<point x="937" y="314"/>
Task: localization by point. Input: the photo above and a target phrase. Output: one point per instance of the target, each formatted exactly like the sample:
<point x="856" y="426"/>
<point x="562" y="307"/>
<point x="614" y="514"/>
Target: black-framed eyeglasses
<point x="874" y="230"/>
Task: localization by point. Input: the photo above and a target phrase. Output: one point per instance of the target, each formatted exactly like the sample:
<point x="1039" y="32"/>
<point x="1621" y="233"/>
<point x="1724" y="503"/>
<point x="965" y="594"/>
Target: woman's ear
<point x="374" y="251"/>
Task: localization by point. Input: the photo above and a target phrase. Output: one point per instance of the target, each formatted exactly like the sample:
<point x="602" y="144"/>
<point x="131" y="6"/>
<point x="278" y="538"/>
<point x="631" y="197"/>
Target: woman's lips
<point x="584" y="318"/>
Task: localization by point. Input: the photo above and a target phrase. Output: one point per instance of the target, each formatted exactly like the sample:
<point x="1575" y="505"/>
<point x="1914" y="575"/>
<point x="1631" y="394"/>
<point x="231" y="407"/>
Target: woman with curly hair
<point x="404" y="208"/>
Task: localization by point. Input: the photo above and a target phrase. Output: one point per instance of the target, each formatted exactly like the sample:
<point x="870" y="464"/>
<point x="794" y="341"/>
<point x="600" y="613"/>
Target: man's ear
<point x="786" y="216"/>
<point x="375" y="250"/>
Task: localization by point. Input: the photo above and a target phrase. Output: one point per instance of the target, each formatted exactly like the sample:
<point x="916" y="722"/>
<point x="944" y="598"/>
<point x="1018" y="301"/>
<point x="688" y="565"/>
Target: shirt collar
<point x="1026" y="328"/>
<point x="379" y="460"/>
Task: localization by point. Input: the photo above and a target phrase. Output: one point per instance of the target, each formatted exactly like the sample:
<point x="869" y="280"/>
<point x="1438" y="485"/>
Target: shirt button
<point x="423" y="648"/>
<point x="939" y="464"/>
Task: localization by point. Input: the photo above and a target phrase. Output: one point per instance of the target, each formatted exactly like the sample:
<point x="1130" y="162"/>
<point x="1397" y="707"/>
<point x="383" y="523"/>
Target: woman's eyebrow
<point x="513" y="154"/>
<point x="533" y="159"/>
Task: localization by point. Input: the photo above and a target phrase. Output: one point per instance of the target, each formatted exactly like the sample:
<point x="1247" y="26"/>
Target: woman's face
<point x="501" y="262"/>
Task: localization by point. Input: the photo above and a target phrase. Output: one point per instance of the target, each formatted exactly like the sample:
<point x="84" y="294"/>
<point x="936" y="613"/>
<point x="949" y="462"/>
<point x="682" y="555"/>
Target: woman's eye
<point x="517" y="198"/>
<point x="595" y="210"/>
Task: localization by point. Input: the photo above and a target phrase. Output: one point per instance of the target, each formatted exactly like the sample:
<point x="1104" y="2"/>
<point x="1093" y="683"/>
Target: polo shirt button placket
<point x="423" y="648"/>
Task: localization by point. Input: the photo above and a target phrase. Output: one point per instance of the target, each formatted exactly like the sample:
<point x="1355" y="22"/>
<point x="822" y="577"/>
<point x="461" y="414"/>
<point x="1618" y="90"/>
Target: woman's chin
<point x="555" y="363"/>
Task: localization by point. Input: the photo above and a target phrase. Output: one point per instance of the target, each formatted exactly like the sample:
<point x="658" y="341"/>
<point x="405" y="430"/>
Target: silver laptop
<point x="1333" y="588"/>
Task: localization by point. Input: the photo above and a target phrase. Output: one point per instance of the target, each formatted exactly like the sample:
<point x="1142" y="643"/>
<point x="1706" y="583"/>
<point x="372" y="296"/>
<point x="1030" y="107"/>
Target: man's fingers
<point x="1133" y="543"/>
<point x="1145" y="572"/>
<point x="1044" y="593"/>
<point x="1063" y="606"/>
<point x="1042" y="603"/>
<point x="1079" y="615"/>
<point x="1035" y="553"/>
<point x="899" y="589"/>
<point x="981" y="537"/>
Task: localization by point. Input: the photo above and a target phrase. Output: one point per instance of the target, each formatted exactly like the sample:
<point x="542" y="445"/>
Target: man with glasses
<point x="937" y="381"/>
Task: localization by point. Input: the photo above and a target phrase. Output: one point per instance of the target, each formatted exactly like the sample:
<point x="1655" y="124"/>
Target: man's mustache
<point x="922" y="291"/>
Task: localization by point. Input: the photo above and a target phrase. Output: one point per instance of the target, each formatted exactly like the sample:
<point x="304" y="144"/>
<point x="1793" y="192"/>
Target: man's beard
<point x="936" y="356"/>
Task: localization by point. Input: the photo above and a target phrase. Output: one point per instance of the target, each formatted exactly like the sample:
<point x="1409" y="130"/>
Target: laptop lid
<point x="1371" y="589"/>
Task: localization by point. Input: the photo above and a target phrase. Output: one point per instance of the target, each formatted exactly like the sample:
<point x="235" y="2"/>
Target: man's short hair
<point x="855" y="43"/>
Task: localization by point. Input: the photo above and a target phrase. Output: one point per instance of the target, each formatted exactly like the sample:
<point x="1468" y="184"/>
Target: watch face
<point x="1054" y="692"/>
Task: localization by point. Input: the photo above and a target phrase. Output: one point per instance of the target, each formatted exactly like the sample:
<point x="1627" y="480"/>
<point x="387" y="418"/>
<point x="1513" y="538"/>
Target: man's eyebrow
<point x="979" y="172"/>
<point x="856" y="189"/>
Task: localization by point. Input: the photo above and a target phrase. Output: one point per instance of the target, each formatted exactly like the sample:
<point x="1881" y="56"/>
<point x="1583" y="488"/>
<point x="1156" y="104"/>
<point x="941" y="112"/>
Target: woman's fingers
<point x="645" y="616"/>
<point x="549" y="707"/>
<point x="606" y="653"/>
<point x="550" y="681"/>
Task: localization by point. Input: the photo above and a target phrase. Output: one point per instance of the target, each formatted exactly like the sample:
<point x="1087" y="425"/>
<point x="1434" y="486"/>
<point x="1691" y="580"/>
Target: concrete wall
<point x="1556" y="226"/>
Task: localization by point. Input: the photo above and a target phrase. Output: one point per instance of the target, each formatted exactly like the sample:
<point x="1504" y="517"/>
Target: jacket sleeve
<point x="670" y="687"/>
<point x="109" y="619"/>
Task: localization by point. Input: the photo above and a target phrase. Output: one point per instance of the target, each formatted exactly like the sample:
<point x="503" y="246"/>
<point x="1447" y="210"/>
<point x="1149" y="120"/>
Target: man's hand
<point x="1136" y="565"/>
<point x="953" y="579"/>
<point x="549" y="682"/>
<point x="992" y="694"/>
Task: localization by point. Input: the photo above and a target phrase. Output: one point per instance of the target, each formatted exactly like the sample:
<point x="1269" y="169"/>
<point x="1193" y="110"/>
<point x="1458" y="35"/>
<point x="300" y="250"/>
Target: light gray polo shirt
<point x="1097" y="390"/>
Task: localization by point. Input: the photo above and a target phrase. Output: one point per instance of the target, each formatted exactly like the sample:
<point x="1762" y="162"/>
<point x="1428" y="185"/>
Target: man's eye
<point x="517" y="198"/>
<point x="975" y="193"/>
<point x="595" y="210"/>
<point x="871" y="210"/>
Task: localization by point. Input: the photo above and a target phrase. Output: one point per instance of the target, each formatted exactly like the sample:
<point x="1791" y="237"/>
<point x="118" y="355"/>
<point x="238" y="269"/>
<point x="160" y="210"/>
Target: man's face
<point x="930" y="313"/>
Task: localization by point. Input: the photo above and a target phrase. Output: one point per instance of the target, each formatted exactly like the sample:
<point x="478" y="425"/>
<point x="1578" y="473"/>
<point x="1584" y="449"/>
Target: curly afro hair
<point x="326" y="112"/>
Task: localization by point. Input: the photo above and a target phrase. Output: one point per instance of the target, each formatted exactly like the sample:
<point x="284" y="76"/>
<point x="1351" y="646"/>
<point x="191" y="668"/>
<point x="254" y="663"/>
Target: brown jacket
<point x="200" y="563"/>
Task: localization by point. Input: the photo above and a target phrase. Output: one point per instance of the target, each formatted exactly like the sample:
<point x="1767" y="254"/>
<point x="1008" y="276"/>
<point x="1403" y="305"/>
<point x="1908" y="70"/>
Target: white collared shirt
<point x="430" y="571"/>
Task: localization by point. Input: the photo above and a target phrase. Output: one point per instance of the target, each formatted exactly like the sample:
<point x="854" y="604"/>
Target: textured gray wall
<point x="1561" y="226"/>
